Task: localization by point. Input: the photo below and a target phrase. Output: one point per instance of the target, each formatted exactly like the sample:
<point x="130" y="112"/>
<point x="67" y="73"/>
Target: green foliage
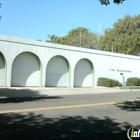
<point x="52" y="38"/>
<point x="131" y="87"/>
<point x="79" y="37"/>
<point x="38" y="40"/>
<point x="106" y="82"/>
<point x="106" y="2"/>
<point x="124" y="36"/>
<point x="134" y="81"/>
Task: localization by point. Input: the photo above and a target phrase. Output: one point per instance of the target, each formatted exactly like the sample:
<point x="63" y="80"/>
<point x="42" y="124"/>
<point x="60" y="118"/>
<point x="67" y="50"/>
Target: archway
<point x="26" y="70"/>
<point x="57" y="72"/>
<point x="2" y="70"/>
<point x="83" y="74"/>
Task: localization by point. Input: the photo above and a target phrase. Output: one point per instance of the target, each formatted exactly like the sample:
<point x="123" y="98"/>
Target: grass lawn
<point x="131" y="87"/>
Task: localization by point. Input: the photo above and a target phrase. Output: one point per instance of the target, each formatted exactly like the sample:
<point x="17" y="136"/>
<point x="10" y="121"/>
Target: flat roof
<point x="64" y="47"/>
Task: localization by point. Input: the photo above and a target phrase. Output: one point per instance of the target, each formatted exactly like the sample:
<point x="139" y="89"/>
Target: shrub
<point x="107" y="82"/>
<point x="133" y="81"/>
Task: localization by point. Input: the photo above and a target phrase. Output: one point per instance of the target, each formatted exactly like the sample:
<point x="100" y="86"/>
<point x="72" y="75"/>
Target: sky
<point x="35" y="19"/>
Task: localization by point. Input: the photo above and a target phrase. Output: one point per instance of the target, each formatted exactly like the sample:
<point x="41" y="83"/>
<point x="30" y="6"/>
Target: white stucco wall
<point x="102" y="61"/>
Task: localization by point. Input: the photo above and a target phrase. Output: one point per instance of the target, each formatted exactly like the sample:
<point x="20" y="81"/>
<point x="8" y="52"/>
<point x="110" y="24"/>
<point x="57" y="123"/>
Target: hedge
<point x="107" y="82"/>
<point x="133" y="81"/>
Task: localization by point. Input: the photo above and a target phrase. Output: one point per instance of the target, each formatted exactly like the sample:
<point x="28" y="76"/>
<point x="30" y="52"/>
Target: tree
<point x="52" y="38"/>
<point x="106" y="2"/>
<point x="80" y="37"/>
<point x="56" y="39"/>
<point x="124" y="36"/>
<point x="39" y="40"/>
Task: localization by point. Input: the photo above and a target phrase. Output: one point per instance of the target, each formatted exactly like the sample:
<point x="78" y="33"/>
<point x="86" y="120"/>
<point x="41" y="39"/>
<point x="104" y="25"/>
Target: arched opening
<point x="26" y="70"/>
<point x="83" y="74"/>
<point x="2" y="70"/>
<point x="57" y="72"/>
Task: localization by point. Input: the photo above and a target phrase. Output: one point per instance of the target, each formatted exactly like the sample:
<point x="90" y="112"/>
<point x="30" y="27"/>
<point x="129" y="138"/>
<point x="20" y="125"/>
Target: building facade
<point x="27" y="63"/>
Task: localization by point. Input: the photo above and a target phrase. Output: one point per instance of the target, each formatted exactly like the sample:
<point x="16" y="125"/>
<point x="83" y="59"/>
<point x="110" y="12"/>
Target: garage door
<point x="83" y="74"/>
<point x="2" y="71"/>
<point x="57" y="72"/>
<point x="25" y="70"/>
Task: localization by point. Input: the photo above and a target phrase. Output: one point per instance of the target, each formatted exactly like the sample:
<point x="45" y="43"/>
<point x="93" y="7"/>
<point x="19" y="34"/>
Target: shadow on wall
<point x="25" y="70"/>
<point x="14" y="95"/>
<point x="38" y="127"/>
<point x="56" y="80"/>
<point x="2" y="70"/>
<point x="79" y="79"/>
<point x="57" y="72"/>
<point x="83" y="74"/>
<point x="25" y="79"/>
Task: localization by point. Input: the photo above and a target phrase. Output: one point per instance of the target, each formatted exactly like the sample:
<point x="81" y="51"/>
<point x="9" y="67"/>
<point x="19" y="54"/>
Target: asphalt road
<point x="105" y="116"/>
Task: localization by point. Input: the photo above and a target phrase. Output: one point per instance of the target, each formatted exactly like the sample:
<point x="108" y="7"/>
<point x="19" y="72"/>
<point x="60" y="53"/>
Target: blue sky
<point x="35" y="19"/>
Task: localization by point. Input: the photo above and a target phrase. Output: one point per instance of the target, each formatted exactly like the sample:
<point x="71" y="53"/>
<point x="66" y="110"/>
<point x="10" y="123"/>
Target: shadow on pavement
<point x="6" y="92"/>
<point x="22" y="95"/>
<point x="26" y="99"/>
<point x="129" y="106"/>
<point x="37" y="127"/>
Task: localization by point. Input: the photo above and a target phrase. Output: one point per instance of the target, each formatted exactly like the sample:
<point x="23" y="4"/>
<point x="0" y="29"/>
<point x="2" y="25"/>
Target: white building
<point x="40" y="64"/>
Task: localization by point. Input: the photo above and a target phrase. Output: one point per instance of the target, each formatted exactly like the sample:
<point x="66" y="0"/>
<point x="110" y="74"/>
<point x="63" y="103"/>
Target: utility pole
<point x="80" y="38"/>
<point x="61" y="38"/>
<point x="98" y="33"/>
<point x="112" y="62"/>
<point x="50" y="30"/>
<point x="0" y="7"/>
<point x="112" y="48"/>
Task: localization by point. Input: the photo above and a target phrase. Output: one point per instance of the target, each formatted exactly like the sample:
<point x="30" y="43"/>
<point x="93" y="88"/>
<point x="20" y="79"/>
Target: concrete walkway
<point x="31" y="92"/>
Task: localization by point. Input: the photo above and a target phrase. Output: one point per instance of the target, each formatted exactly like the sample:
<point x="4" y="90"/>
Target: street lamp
<point x="123" y="78"/>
